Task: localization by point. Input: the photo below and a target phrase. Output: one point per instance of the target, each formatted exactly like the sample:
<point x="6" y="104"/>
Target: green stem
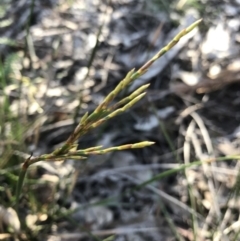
<point x="20" y="183"/>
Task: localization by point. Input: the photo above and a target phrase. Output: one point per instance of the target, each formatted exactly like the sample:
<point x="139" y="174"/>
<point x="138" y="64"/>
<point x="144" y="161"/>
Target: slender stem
<point x="20" y="183"/>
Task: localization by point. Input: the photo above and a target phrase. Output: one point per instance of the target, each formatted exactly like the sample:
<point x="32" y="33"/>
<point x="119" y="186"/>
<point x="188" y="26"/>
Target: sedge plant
<point x="105" y="111"/>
